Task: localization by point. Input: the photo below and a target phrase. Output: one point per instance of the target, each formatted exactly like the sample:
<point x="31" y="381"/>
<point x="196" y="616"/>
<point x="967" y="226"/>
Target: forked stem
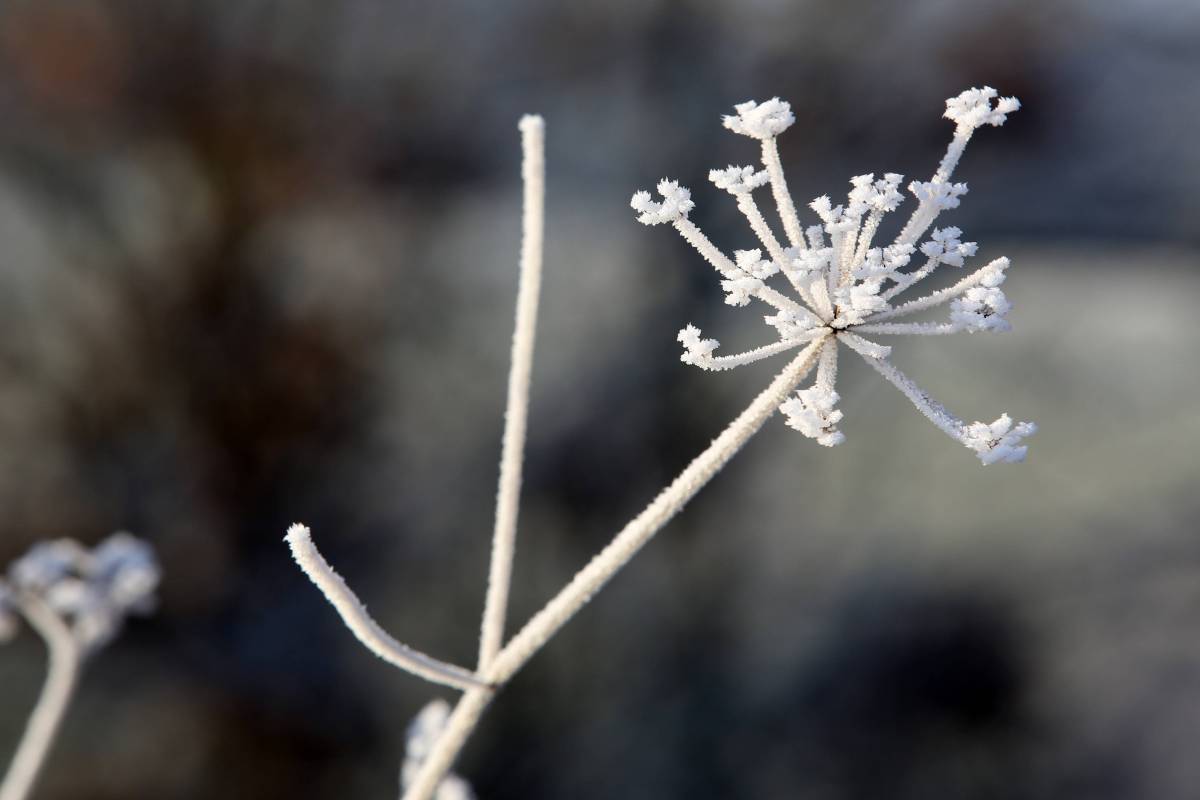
<point x="605" y="565"/>
<point x="61" y="675"/>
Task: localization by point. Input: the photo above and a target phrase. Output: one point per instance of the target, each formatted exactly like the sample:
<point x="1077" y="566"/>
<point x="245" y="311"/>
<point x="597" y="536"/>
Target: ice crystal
<point x="92" y="590"/>
<point x="842" y="286"/>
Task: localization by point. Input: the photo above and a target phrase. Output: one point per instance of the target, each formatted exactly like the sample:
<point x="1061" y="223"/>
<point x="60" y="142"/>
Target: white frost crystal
<point x="761" y="120"/>
<point x="842" y="287"/>
<point x="812" y="412"/>
<point x="92" y="590"/>
<point x="675" y="205"/>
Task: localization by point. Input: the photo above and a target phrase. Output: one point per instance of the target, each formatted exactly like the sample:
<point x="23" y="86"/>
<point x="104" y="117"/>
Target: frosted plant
<point x="423" y="733"/>
<point x="76" y="599"/>
<point x="841" y="287"/>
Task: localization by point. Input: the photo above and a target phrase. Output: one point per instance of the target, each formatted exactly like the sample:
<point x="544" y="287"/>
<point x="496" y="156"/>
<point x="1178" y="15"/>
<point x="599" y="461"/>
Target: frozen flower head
<point x="93" y="591"/>
<point x="839" y="286"/>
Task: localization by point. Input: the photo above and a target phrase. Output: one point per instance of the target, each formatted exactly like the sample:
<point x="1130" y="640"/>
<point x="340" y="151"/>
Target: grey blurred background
<point x="257" y="265"/>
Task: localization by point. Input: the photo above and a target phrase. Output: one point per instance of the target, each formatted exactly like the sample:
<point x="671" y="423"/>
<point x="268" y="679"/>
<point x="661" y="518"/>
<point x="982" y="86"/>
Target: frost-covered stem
<point x="934" y="411"/>
<point x="65" y="657"/>
<point x="360" y="623"/>
<point x="449" y="744"/>
<point x="912" y="328"/>
<point x="533" y="176"/>
<point x="759" y="225"/>
<point x="719" y="363"/>
<point x="937" y="298"/>
<point x="907" y="281"/>
<point x="962" y="135"/>
<point x="928" y="210"/>
<point x="704" y="246"/>
<point x="865" y="237"/>
<point x="827" y="366"/>
<point x="779" y="190"/>
<point x="600" y="569"/>
<point x="637" y="532"/>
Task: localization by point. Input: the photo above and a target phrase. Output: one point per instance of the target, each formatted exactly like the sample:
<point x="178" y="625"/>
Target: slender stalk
<point x="61" y="675"/>
<point x="533" y="176"/>
<point x="605" y="564"/>
<point x="642" y="528"/>
<point x="779" y="190"/>
<point x="458" y="728"/>
<point x="365" y="629"/>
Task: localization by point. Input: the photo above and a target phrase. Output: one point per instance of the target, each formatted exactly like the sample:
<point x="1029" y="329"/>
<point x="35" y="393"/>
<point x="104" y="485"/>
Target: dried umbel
<point x="843" y="286"/>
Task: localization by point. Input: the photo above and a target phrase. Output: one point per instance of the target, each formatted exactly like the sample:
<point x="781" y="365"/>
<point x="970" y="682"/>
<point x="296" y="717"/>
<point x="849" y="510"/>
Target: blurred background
<point x="257" y="262"/>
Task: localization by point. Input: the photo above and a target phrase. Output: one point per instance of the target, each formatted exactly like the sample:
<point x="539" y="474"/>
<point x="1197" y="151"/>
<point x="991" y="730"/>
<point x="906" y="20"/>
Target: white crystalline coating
<point x="942" y="195"/>
<point x="764" y="120"/>
<point x="840" y="283"/>
<point x="999" y="441"/>
<point x="945" y="248"/>
<point x="789" y="323"/>
<point x="420" y="738"/>
<point x="675" y="205"/>
<point x="881" y="195"/>
<point x="738" y="180"/>
<point x="885" y="262"/>
<point x="92" y="591"/>
<point x="696" y="351"/>
<point x="46" y="563"/>
<point x="811" y="411"/>
<point x="973" y="108"/>
<point x="858" y="302"/>
<point x="738" y="291"/>
<point x="981" y="309"/>
<point x="811" y="261"/>
<point x="752" y="263"/>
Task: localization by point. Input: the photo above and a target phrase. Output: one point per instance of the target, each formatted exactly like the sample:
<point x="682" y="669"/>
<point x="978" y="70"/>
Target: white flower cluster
<point x="423" y="733"/>
<point x="842" y="285"/>
<point x="93" y="591"/>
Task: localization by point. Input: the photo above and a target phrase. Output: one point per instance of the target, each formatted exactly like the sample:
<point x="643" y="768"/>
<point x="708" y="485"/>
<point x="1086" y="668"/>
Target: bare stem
<point x="56" y="694"/>
<point x="458" y="729"/>
<point x="366" y="629"/>
<point x="533" y="176"/>
<point x="637" y="532"/>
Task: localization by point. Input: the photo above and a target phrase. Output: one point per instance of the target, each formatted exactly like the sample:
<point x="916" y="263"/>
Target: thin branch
<point x="533" y="176"/>
<point x="449" y="743"/>
<point x="934" y="411"/>
<point x="366" y="629"/>
<point x="913" y="328"/>
<point x="604" y="565"/>
<point x="719" y="363"/>
<point x="61" y="675"/>
<point x="642" y="528"/>
<point x="937" y="298"/>
<point x="779" y="190"/>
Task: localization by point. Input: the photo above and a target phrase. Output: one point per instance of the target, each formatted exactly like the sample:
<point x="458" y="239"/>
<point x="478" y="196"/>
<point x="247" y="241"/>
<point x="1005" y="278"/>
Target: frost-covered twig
<point x="533" y="174"/>
<point x="361" y="624"/>
<point x="607" y="563"/>
<point x="76" y="600"/>
<point x="61" y="674"/>
<point x="843" y="286"/>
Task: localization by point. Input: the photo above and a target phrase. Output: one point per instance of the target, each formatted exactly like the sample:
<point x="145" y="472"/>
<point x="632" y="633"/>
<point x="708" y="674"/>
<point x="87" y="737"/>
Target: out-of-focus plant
<point x="843" y="287"/>
<point x="76" y="599"/>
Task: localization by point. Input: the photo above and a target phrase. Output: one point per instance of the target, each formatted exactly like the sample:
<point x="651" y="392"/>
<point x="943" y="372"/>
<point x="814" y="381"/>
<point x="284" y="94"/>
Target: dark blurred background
<point x="257" y="264"/>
